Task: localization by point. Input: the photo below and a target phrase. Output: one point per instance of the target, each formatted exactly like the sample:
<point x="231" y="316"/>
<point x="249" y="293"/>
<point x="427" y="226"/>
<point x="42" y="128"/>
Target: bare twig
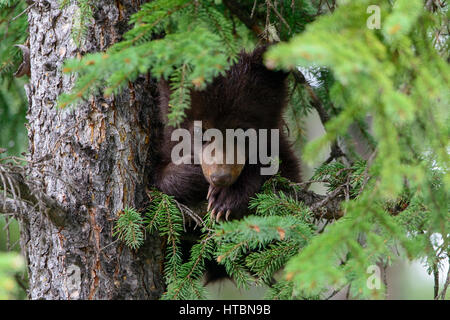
<point x="8" y="236"/>
<point x="269" y="3"/>
<point x="24" y="68"/>
<point x="24" y="11"/>
<point x="253" y="9"/>
<point x="334" y="292"/>
<point x="185" y="210"/>
<point x="327" y="199"/>
<point x="323" y="207"/>
<point x="446" y="283"/>
<point x="9" y="207"/>
<point x="14" y="184"/>
<point x="110" y="244"/>
<point x="306" y="184"/>
<point x="366" y="171"/>
<point x="436" y="280"/>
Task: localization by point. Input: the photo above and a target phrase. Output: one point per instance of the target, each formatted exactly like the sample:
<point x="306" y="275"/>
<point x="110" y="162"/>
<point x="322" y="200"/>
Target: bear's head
<point x="248" y="97"/>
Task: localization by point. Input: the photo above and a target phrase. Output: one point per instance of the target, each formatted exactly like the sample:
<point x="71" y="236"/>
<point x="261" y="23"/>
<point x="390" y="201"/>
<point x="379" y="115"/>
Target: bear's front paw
<point x="223" y="202"/>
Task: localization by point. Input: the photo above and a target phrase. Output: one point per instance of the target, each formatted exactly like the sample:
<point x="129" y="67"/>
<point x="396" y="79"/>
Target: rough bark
<point x="91" y="161"/>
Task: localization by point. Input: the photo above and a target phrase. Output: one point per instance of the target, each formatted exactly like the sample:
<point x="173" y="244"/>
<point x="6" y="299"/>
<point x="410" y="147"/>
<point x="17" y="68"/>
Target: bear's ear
<point x="256" y="59"/>
<point x="164" y="98"/>
<point x="257" y="55"/>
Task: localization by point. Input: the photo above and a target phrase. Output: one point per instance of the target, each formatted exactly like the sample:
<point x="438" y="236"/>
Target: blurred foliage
<point x="13" y="103"/>
<point x="13" y="106"/>
<point x="11" y="266"/>
<point x="401" y="79"/>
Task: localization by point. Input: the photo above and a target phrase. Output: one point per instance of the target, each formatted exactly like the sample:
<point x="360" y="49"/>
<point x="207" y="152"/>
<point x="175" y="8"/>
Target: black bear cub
<point x="248" y="97"/>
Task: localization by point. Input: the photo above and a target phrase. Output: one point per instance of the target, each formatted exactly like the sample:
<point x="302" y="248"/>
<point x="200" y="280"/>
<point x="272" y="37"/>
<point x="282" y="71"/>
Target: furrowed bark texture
<point x="93" y="160"/>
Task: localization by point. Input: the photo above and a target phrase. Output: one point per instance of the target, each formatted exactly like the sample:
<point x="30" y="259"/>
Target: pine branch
<point x="129" y="228"/>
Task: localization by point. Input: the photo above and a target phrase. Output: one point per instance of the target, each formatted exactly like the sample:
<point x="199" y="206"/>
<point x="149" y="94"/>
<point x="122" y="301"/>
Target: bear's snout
<point x="221" y="179"/>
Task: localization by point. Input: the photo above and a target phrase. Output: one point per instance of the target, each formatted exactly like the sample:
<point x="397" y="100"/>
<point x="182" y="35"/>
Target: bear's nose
<point x="221" y="179"/>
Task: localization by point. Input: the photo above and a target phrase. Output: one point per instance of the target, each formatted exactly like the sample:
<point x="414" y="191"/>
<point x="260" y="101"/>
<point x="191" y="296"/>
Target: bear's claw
<point x="218" y="210"/>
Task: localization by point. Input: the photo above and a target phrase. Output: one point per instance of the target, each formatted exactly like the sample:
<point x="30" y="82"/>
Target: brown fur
<point x="248" y="96"/>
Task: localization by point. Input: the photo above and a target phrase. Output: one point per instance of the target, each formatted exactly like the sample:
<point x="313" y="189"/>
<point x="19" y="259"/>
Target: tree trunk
<point x="88" y="162"/>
